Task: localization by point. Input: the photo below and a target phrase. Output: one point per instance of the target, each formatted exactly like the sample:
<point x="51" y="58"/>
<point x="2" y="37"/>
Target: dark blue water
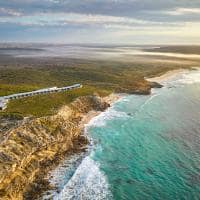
<point x="146" y="147"/>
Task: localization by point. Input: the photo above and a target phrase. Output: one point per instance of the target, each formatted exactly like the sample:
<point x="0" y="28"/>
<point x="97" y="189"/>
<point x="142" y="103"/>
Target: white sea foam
<point x="87" y="183"/>
<point x="104" y="117"/>
<point x="182" y="78"/>
<point x="190" y="77"/>
<point x="62" y="174"/>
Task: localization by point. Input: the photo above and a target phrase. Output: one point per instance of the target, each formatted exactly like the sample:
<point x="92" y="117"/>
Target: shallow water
<point x="146" y="147"/>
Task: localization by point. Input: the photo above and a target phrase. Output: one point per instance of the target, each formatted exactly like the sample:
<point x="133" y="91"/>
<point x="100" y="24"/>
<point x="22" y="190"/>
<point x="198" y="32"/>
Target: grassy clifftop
<point x="48" y="104"/>
<point x="102" y="77"/>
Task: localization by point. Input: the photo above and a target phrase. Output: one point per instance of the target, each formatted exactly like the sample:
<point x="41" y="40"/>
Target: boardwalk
<point x="4" y="99"/>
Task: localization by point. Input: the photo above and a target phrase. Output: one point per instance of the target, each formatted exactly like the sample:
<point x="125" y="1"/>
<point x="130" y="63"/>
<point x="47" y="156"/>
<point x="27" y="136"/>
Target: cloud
<point x="9" y="12"/>
<point x="73" y="18"/>
<point x="129" y="8"/>
<point x="184" y="11"/>
<point x="99" y="17"/>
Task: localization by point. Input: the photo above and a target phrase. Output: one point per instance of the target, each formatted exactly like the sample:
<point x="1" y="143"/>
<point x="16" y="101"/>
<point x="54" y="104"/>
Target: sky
<point x="101" y="21"/>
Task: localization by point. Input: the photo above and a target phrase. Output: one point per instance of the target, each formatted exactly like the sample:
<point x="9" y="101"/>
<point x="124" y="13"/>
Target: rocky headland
<point x="29" y="149"/>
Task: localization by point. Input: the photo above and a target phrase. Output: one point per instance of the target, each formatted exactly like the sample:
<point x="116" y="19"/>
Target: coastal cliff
<point x="28" y="149"/>
<point x="140" y="88"/>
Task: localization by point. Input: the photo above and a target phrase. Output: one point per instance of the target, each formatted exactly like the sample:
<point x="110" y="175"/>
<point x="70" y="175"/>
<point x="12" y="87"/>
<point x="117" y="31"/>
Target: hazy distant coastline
<point x="127" y="53"/>
<point x="184" y="49"/>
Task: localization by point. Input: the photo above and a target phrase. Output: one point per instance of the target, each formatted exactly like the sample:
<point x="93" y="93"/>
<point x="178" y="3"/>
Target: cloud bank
<point x="100" y="21"/>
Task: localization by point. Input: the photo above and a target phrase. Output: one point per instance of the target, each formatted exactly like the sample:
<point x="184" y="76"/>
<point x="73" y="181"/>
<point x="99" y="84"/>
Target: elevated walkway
<point x="4" y="99"/>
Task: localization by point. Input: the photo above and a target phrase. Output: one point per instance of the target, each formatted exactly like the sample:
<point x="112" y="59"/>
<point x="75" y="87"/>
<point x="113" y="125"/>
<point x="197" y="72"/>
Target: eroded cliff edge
<point x="25" y="149"/>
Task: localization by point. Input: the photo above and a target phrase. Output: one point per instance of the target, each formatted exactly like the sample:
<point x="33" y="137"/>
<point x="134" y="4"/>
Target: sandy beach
<point x="113" y="97"/>
<point x="110" y="99"/>
<point x="167" y="75"/>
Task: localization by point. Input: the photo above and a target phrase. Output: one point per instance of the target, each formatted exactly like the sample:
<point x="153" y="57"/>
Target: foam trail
<point x="88" y="183"/>
<point x="101" y="119"/>
<point x="148" y="101"/>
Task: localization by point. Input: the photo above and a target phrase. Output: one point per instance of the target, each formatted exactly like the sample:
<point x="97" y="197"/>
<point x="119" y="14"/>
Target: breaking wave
<point x="87" y="183"/>
<point x="104" y="117"/>
<point x="190" y="77"/>
<point x="184" y="78"/>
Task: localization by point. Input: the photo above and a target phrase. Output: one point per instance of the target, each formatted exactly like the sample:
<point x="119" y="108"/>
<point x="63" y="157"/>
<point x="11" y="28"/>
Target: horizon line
<point x="100" y="44"/>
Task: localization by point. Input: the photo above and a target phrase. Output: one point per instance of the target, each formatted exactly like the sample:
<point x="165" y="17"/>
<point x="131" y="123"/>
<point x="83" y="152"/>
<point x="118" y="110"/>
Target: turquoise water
<point x="145" y="147"/>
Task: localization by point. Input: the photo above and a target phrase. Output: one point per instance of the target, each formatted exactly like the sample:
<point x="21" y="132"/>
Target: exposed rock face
<point x="9" y="121"/>
<point x="140" y="88"/>
<point x="155" y="85"/>
<point x="26" y="147"/>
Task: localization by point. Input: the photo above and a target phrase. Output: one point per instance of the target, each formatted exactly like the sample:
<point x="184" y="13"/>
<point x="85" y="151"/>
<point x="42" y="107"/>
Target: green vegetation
<point x="100" y="77"/>
<point x="11" y="116"/>
<point x="7" y="89"/>
<point x="48" y="104"/>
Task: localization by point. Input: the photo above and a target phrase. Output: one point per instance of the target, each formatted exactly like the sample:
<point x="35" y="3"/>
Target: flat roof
<point x="3" y="98"/>
<point x="2" y="103"/>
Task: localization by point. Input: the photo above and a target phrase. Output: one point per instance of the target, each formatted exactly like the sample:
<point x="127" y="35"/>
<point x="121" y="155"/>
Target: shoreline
<point x="79" y="148"/>
<point x="167" y="75"/>
<point x="86" y="118"/>
<point x="41" y="144"/>
<point x="110" y="99"/>
<point x="41" y="183"/>
<point x="76" y="116"/>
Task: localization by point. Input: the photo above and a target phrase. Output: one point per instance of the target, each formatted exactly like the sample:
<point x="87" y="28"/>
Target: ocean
<point x="143" y="147"/>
